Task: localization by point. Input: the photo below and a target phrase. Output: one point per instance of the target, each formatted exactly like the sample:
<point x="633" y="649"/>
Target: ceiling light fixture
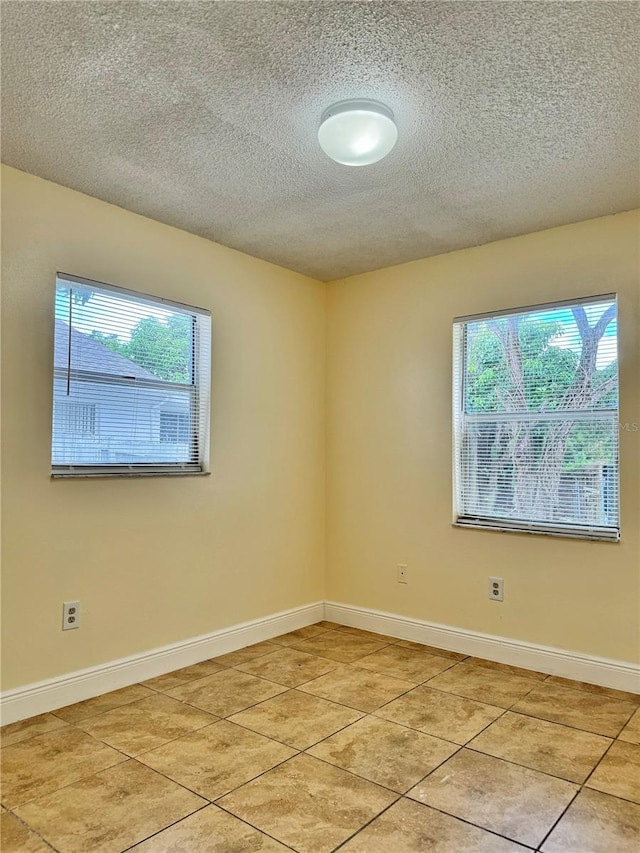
<point x="357" y="132"/>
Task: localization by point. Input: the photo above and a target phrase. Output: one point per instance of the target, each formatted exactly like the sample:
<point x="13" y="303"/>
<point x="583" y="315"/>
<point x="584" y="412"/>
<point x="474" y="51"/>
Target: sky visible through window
<point x="132" y="393"/>
<point x="158" y="339"/>
<point x="537" y="431"/>
<point x="103" y="313"/>
<point x="570" y="338"/>
<point x="547" y="346"/>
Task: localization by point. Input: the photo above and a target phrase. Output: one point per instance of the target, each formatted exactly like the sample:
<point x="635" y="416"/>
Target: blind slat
<point x="536" y="420"/>
<point x="131" y="382"/>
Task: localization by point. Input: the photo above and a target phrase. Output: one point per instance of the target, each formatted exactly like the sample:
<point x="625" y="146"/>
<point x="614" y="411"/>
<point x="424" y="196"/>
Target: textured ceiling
<point x="512" y="117"/>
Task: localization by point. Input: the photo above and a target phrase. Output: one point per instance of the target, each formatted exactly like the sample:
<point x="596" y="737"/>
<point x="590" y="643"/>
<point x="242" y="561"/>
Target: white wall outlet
<point x="70" y="615"/>
<point x="403" y="573"/>
<point x="496" y="589"/>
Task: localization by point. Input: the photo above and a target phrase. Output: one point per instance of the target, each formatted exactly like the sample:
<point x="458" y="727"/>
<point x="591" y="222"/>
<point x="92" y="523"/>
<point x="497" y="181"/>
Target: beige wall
<point x="389" y="446"/>
<point x="155" y="561"/>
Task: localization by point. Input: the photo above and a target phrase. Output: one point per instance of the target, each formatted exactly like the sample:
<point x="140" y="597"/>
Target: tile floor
<point x="330" y="738"/>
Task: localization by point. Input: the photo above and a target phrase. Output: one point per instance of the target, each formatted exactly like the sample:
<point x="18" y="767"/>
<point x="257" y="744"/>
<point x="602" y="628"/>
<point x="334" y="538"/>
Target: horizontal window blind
<point x="131" y="382"/>
<point x="536" y="419"/>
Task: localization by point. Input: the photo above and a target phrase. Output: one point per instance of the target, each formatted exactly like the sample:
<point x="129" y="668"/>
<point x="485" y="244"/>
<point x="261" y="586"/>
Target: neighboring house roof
<point x="88" y="354"/>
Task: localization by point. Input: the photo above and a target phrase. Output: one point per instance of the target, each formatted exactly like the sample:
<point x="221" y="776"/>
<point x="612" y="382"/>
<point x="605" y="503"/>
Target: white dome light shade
<point x="357" y="133"/>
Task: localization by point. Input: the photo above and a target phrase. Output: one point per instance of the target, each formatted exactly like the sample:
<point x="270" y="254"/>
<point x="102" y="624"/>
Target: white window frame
<point x="461" y="418"/>
<point x="199" y="390"/>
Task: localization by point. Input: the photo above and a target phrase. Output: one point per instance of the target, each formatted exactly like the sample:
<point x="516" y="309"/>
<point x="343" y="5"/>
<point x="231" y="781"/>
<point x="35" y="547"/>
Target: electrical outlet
<point x="70" y="615"/>
<point x="496" y="589"/>
<point x="403" y="573"/>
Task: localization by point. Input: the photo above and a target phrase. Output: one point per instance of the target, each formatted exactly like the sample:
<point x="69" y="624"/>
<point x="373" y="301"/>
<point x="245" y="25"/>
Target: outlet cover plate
<point x="70" y="615"/>
<point x="496" y="589"/>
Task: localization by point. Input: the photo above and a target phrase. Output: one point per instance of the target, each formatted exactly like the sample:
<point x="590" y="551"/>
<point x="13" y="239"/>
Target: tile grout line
<point x="207" y="805"/>
<point x="76" y="723"/>
<point x="224" y="667"/>
<point x="261" y="831"/>
<point x="523" y="766"/>
<point x="581" y="786"/>
<point x="203" y="710"/>
<point x="480" y="826"/>
<point x="99" y="713"/>
<point x="300" y="752"/>
<point x="365" y="714"/>
<point x="403" y="795"/>
<point x="500" y="758"/>
<point x="211" y="801"/>
<point x="602" y="757"/>
<point x="368" y="823"/>
<point x="125" y="758"/>
<point x="394" y="642"/>
<point x="303" y="750"/>
<point x="31" y="829"/>
<point x="294" y="686"/>
<point x="470" y="823"/>
<point x="466" y="746"/>
<point x="420" y="684"/>
<point x="223" y="716"/>
<point x="391" y="722"/>
<point x="527" y="766"/>
<point x="397" y="794"/>
<point x="173" y="823"/>
<point x="332" y="701"/>
<point x="559" y="818"/>
<point x="440" y="811"/>
<point x="338" y="664"/>
<point x="167" y="742"/>
<point x="555" y="722"/>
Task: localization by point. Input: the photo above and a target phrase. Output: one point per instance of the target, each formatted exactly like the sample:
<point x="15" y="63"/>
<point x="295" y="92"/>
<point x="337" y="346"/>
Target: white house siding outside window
<point x="535" y="417"/>
<point x="131" y="382"/>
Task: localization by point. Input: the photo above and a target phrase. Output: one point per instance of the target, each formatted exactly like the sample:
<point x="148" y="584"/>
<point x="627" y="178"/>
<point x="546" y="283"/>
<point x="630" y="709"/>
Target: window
<point x="536" y="419"/>
<point x="174" y="427"/>
<point x="74" y="418"/>
<point x="131" y="382"/>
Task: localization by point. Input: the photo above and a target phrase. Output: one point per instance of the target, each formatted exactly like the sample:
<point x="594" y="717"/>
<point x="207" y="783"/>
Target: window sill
<point x="127" y="475"/>
<point x="585" y="535"/>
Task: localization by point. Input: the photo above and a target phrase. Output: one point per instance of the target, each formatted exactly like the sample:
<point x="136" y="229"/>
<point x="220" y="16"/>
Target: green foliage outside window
<point x="162" y="347"/>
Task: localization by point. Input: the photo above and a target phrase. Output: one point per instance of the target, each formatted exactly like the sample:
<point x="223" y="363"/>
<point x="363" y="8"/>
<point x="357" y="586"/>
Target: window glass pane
<point x="174" y="427"/>
<point x="562" y="472"/>
<point x="155" y="338"/>
<point x="125" y="425"/>
<point x="130" y="379"/>
<point x="558" y="358"/>
<point x="536" y="417"/>
<point x="74" y="418"/>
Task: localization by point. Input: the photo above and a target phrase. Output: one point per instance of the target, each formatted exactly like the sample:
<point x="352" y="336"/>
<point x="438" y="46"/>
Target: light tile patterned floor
<point x="330" y="738"/>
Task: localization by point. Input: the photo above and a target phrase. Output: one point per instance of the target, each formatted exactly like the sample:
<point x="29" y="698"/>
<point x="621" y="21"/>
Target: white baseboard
<point x="32" y="699"/>
<point x="73" y="687"/>
<point x="580" y="667"/>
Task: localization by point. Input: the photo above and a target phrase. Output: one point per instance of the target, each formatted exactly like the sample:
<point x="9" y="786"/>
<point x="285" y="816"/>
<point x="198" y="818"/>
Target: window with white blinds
<point x="131" y="382"/>
<point x="536" y="419"/>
